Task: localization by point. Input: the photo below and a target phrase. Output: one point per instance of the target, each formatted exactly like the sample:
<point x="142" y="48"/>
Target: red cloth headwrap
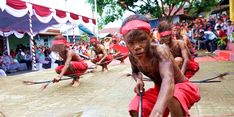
<point x="165" y="33"/>
<point x="60" y="40"/>
<point x="135" y="24"/>
<point x="93" y="39"/>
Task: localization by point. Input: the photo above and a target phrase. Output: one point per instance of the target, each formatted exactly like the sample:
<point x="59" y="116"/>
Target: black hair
<point x="135" y="17"/>
<point x="218" y="27"/>
<point x="164" y="26"/>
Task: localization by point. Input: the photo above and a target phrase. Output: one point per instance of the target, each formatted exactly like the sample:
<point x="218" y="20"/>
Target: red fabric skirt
<point x="192" y="68"/>
<point x="106" y="61"/>
<point x="79" y="68"/>
<point x="187" y="94"/>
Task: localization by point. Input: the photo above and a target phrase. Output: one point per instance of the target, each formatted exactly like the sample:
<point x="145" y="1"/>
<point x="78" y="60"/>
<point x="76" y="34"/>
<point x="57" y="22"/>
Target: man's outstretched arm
<point x="66" y="66"/>
<point x="104" y="54"/>
<point x="167" y="86"/>
<point x="137" y="76"/>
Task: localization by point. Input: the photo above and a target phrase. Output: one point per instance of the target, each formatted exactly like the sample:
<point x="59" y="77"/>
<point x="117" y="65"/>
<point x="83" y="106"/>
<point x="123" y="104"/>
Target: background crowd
<point x="199" y="34"/>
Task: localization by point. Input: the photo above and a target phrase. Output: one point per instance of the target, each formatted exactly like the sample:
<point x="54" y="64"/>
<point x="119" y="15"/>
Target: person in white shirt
<point x="209" y="38"/>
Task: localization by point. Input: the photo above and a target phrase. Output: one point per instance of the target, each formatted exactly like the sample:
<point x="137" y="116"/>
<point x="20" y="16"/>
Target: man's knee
<point x="133" y="113"/>
<point x="57" y="71"/>
<point x="179" y="61"/>
<point x="173" y="102"/>
<point x="175" y="107"/>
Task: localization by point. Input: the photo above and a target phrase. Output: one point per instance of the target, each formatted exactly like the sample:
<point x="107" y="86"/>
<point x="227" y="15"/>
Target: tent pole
<point x="67" y="36"/>
<point x="8" y="45"/>
<point x="73" y="35"/>
<point x="5" y="48"/>
<point x="32" y="46"/>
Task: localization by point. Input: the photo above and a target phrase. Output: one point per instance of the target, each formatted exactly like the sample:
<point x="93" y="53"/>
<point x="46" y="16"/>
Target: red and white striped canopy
<point x="14" y="17"/>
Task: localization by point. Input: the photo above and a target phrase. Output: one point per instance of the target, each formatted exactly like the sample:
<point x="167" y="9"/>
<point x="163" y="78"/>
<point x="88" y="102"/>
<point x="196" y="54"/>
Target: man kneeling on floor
<point x="172" y="91"/>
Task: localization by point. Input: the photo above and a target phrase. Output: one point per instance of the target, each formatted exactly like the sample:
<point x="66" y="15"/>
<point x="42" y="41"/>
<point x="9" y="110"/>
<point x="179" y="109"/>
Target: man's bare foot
<point x="76" y="83"/>
<point x="73" y="81"/>
<point x="105" y="70"/>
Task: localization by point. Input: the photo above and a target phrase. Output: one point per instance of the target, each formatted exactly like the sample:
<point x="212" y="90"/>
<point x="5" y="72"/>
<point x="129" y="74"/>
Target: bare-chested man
<point x="74" y="65"/>
<point x="172" y="92"/>
<point x="102" y="57"/>
<point x="106" y="42"/>
<point x="178" y="49"/>
<point x="178" y="34"/>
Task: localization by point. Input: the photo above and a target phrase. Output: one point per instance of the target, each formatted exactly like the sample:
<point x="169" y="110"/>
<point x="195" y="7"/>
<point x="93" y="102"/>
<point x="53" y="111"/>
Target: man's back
<point x="210" y="35"/>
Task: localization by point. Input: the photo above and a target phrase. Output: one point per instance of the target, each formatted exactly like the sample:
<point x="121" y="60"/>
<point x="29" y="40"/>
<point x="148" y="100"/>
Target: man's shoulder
<point x="100" y="46"/>
<point x="160" y="48"/>
<point x="155" y="45"/>
<point x="178" y="43"/>
<point x="71" y="52"/>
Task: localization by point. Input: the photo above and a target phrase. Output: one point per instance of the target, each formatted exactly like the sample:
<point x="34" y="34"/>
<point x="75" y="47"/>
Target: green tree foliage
<point x="108" y="10"/>
<point x="84" y="37"/>
<point x="111" y="10"/>
<point x="201" y="6"/>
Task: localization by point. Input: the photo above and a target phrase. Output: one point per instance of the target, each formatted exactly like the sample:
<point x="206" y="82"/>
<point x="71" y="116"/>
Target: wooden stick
<point x="140" y="105"/>
<point x="2" y="115"/>
<point x="27" y="82"/>
<point x="197" y="81"/>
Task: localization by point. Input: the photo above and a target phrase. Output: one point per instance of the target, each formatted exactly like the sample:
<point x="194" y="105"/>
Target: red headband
<point x="165" y="33"/>
<point x="60" y="40"/>
<point x="135" y="24"/>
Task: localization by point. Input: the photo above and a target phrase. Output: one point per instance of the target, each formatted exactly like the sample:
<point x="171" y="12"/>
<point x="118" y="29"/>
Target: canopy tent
<point x="19" y="17"/>
<point x="14" y="17"/>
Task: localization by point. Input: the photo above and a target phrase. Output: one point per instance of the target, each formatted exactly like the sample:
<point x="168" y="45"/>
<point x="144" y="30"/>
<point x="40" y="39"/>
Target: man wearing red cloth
<point x="74" y="65"/>
<point x="102" y="57"/>
<point x="172" y="91"/>
<point x="179" y="50"/>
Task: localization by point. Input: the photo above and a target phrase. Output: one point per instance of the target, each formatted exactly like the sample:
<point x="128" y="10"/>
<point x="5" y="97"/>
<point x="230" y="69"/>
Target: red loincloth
<point x="192" y="68"/>
<point x="120" y="48"/>
<point x="79" y="68"/>
<point x="187" y="94"/>
<point x="106" y="61"/>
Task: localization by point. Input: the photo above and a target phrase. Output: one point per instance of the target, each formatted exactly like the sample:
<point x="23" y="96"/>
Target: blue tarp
<point x="154" y="23"/>
<point x="86" y="30"/>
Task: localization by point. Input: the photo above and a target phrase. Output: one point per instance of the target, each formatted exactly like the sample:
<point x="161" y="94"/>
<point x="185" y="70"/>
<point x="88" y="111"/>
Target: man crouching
<point x="172" y="91"/>
<point x="74" y="65"/>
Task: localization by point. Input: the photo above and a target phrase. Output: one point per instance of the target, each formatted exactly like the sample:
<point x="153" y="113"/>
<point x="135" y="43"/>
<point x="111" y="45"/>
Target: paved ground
<point x="105" y="94"/>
